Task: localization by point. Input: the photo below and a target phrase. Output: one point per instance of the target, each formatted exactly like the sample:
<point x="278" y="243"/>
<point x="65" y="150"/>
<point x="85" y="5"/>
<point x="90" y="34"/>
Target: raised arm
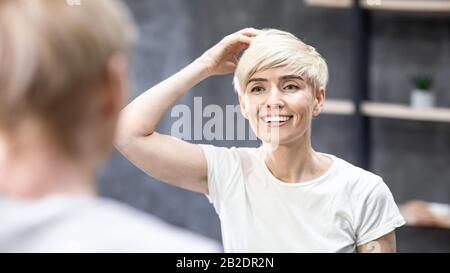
<point x="167" y="158"/>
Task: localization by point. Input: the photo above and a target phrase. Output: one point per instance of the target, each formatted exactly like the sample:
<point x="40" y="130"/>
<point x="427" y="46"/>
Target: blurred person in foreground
<point x="282" y="196"/>
<point x="63" y="81"/>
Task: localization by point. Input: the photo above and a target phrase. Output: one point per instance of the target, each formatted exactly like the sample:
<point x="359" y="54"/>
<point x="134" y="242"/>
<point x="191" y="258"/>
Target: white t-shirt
<point x="89" y="224"/>
<point x="344" y="208"/>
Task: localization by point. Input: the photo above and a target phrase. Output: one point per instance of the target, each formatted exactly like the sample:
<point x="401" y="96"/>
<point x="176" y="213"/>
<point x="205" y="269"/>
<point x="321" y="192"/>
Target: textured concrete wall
<point x="412" y="157"/>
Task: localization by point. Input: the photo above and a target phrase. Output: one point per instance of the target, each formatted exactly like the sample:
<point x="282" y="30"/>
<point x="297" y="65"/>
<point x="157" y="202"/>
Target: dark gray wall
<point x="412" y="157"/>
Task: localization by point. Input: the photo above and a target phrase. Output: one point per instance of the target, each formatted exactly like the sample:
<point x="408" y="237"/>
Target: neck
<point x="37" y="171"/>
<point x="295" y="162"/>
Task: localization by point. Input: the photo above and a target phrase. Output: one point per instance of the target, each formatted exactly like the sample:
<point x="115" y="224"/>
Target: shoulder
<point x="124" y="226"/>
<point x="228" y="156"/>
<point x="359" y="183"/>
<point x="356" y="175"/>
<point x="117" y="215"/>
<point x="85" y="224"/>
<point x="368" y="194"/>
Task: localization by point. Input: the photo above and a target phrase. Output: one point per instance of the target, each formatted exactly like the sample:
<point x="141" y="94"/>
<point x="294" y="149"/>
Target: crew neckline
<point x="298" y="184"/>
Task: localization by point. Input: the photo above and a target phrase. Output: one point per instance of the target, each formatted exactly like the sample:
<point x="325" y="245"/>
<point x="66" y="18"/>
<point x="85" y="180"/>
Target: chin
<point x="283" y="139"/>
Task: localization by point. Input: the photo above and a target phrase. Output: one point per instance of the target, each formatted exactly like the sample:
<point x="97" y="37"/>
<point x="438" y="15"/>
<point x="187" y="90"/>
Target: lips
<point x="275" y="120"/>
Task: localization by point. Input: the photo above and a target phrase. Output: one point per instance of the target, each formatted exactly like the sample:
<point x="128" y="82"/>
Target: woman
<point x="283" y="196"/>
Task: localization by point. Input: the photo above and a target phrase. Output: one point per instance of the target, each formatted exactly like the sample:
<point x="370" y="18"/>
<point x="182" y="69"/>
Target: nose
<point x="275" y="100"/>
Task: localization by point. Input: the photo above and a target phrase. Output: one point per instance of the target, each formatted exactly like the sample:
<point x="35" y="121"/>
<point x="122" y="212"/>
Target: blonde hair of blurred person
<point x="282" y="196"/>
<point x="63" y="81"/>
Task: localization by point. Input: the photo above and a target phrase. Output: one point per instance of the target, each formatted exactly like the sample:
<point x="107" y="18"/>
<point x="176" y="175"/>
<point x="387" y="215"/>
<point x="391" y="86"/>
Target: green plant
<point x="423" y="82"/>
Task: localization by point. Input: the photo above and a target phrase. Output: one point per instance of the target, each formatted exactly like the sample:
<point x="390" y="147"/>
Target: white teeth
<point x="276" y="118"/>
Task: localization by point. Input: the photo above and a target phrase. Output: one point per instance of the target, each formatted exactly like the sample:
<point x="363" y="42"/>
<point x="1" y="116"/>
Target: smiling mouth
<point x="272" y="121"/>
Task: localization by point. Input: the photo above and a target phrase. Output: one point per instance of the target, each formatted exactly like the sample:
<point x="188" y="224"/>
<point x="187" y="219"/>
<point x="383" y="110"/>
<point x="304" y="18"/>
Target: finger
<point x="230" y="66"/>
<point x="234" y="60"/>
<point x="242" y="46"/>
<point x="234" y="44"/>
<point x="239" y="38"/>
<point x="249" y="32"/>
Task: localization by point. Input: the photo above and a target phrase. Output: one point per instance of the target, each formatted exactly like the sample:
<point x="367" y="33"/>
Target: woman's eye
<point x="257" y="89"/>
<point x="291" y="87"/>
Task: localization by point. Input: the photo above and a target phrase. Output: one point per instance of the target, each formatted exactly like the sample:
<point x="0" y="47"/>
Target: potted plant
<point x="422" y="96"/>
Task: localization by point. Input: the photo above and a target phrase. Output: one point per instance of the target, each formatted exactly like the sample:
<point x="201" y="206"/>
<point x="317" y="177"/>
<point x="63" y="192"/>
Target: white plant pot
<point x="422" y="99"/>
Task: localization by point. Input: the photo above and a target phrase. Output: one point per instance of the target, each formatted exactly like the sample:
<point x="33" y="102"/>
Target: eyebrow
<point x="291" y="77"/>
<point x="257" y="80"/>
<point x="286" y="77"/>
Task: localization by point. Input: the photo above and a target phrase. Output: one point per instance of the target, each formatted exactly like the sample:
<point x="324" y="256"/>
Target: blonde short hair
<point x="52" y="54"/>
<point x="273" y="48"/>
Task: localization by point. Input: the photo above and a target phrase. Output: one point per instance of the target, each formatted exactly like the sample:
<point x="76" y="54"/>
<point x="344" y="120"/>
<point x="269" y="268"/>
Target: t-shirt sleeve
<point x="377" y="214"/>
<point x="223" y="173"/>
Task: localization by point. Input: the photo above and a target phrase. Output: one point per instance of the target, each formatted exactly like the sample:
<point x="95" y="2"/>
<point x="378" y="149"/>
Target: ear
<point x="319" y="100"/>
<point x="243" y="110"/>
<point x="115" y="85"/>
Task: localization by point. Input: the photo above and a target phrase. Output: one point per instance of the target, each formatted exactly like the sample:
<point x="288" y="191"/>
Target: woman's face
<point x="280" y="105"/>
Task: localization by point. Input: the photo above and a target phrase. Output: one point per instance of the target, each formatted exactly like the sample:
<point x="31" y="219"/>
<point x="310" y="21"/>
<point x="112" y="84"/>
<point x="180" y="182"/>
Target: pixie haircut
<point x="52" y="55"/>
<point x="273" y="48"/>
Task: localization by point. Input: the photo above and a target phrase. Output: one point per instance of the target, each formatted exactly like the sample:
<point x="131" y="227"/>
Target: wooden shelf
<point x="407" y="5"/>
<point x="329" y="3"/>
<point x="338" y="107"/>
<point x="398" y="111"/>
<point x="435" y="6"/>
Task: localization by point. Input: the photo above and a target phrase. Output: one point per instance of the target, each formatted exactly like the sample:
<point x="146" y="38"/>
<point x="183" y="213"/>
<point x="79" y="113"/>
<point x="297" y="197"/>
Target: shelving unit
<point x="435" y="6"/>
<point x="387" y="110"/>
<point x="360" y="108"/>
<point x="338" y="107"/>
<point x="398" y="111"/>
<point x="330" y="3"/>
